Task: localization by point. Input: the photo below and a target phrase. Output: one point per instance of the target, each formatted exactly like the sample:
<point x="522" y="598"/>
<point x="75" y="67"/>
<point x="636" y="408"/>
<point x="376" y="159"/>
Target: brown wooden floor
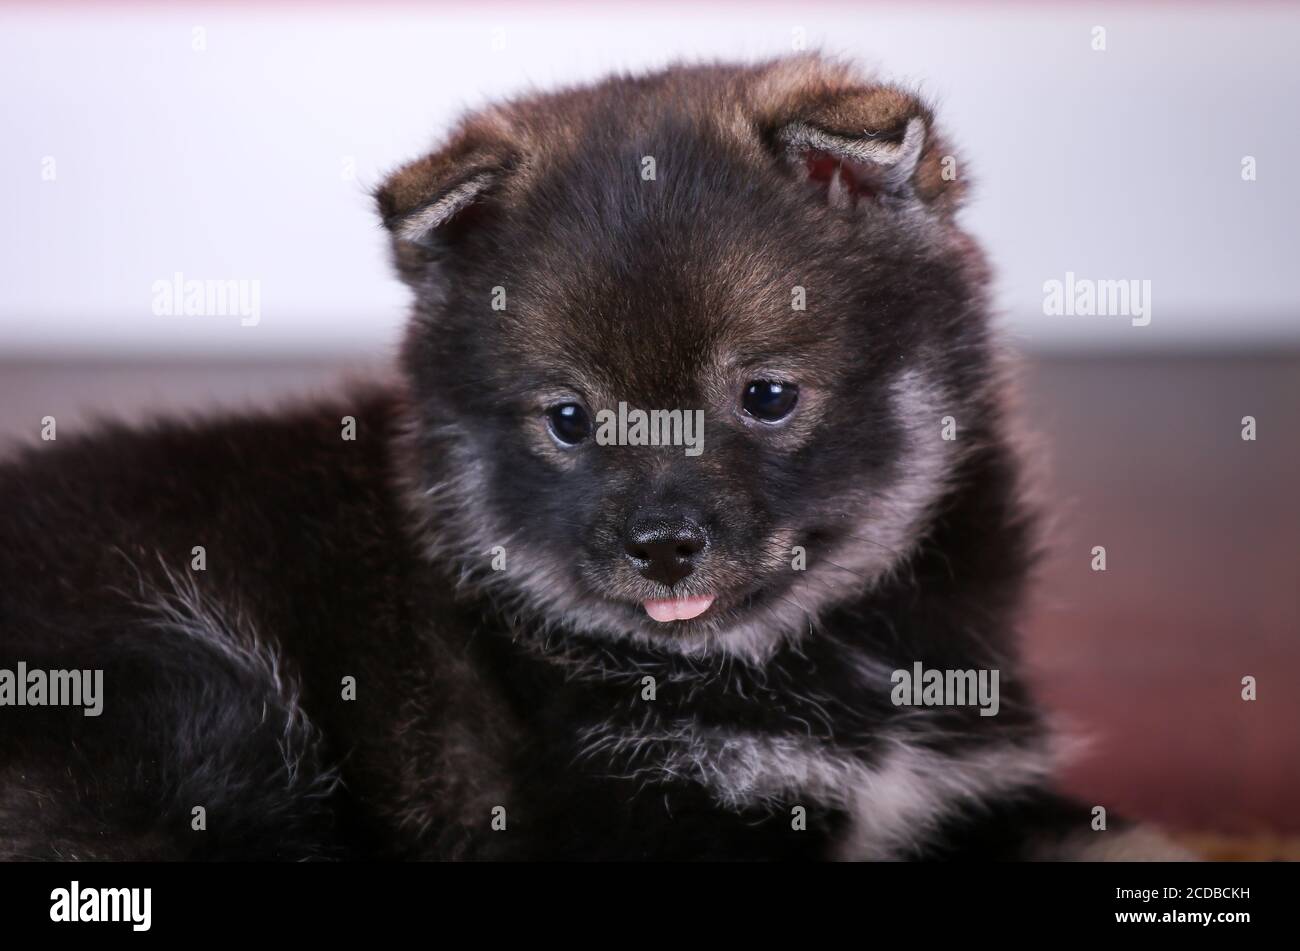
<point x="1143" y="456"/>
<point x="1202" y="587"/>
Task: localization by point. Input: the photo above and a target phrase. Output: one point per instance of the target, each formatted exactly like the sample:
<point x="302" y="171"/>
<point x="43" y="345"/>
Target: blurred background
<point x="148" y="145"/>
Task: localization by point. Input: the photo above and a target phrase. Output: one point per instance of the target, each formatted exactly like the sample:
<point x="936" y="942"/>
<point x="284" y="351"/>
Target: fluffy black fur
<point x="521" y="690"/>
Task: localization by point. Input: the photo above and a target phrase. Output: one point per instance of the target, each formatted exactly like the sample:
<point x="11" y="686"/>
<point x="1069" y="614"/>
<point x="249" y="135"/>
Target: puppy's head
<point x="684" y="346"/>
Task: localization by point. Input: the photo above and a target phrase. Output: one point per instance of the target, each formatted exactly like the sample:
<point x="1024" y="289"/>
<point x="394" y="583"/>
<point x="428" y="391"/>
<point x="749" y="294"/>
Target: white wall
<point x="230" y="162"/>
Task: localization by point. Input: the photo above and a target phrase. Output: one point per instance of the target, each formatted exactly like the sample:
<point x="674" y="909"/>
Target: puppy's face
<point x="684" y="349"/>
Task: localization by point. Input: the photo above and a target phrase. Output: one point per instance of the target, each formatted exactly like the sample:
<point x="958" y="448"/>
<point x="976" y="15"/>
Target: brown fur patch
<point x="747" y="104"/>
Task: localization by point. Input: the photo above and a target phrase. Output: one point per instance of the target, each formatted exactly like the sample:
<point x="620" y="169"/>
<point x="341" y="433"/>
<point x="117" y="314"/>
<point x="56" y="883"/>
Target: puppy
<point x="693" y="497"/>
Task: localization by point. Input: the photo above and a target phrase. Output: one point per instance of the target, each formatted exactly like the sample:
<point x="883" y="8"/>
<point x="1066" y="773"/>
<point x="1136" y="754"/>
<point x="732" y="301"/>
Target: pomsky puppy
<point x="691" y="521"/>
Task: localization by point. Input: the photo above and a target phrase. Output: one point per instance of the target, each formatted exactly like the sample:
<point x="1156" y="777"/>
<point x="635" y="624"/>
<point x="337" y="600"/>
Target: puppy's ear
<point x="864" y="144"/>
<point x="429" y="203"/>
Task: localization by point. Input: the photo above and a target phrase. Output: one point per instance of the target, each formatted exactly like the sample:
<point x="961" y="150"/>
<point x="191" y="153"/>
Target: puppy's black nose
<point x="664" y="546"/>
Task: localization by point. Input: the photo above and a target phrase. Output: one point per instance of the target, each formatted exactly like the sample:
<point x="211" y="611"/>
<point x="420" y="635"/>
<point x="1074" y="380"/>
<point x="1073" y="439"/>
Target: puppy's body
<point x="436" y="640"/>
<point x="312" y="576"/>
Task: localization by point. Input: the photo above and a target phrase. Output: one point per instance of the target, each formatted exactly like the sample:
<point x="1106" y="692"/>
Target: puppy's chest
<point x="810" y="741"/>
<point x="750" y="740"/>
<point x="750" y="751"/>
<point x="742" y="766"/>
<point x="861" y="802"/>
<point x="869" y="783"/>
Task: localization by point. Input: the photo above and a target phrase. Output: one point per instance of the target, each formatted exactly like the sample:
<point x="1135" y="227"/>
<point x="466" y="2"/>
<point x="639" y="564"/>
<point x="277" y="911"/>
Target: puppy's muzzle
<point x="665" y="545"/>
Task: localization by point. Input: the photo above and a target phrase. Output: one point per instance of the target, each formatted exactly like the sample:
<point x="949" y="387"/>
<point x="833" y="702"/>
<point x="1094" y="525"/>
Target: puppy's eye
<point x="768" y="400"/>
<point x="569" y="423"/>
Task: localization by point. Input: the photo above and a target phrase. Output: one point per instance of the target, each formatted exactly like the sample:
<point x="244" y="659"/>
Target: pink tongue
<point x="678" y="609"/>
